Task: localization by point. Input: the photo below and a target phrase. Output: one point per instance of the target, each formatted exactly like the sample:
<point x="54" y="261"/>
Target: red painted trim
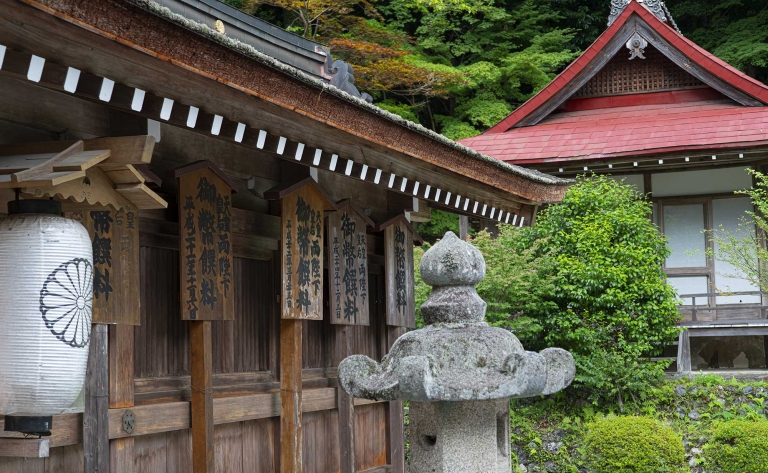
<point x="650" y="98"/>
<point x="712" y="64"/>
<point x="743" y="145"/>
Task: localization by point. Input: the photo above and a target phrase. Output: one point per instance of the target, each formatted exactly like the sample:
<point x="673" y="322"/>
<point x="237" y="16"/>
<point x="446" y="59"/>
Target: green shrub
<point x="738" y="446"/>
<point x="633" y="445"/>
<point x="611" y="293"/>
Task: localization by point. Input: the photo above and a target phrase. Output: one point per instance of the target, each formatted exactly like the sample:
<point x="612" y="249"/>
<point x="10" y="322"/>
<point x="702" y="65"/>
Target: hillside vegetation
<point x="460" y="66"/>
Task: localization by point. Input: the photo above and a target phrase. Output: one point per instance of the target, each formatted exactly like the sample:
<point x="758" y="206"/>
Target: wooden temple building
<point x="250" y="212"/>
<point x="645" y="104"/>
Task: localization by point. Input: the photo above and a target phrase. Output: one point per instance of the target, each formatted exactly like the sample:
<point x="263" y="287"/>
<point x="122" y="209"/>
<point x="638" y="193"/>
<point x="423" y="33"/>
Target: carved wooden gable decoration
<point x="398" y="265"/>
<point x="348" y="265"/>
<point x="302" y="207"/>
<point x="205" y="230"/>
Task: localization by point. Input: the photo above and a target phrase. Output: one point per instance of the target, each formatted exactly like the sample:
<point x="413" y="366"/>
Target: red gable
<point x="721" y="108"/>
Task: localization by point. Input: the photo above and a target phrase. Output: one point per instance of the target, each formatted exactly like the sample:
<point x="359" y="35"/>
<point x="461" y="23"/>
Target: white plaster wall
<point x="706" y="181"/>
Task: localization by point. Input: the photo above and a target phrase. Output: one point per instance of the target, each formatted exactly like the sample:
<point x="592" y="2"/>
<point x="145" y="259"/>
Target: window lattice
<point x="622" y="76"/>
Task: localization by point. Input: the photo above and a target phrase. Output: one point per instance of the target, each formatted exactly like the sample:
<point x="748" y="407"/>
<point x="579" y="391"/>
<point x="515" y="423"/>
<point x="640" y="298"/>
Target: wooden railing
<point x="712" y="306"/>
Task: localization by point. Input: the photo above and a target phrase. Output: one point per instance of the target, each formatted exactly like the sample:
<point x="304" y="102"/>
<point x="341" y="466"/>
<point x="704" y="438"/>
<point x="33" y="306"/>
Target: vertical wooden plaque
<point x="205" y="240"/>
<point x="348" y="266"/>
<point x="302" y="256"/>
<point x="115" y="238"/>
<point x="398" y="265"/>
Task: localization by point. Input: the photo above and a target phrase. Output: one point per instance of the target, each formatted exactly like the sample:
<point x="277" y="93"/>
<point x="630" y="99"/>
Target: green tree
<point x="613" y="300"/>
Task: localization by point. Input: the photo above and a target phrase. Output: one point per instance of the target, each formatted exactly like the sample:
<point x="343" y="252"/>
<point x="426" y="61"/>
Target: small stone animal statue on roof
<point x="457" y="357"/>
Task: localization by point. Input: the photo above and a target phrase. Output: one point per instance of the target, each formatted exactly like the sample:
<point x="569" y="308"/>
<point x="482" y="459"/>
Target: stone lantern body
<point x="458" y="372"/>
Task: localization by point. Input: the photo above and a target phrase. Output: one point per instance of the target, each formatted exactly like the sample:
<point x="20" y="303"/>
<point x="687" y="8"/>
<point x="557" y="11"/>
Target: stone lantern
<point x="458" y="372"/>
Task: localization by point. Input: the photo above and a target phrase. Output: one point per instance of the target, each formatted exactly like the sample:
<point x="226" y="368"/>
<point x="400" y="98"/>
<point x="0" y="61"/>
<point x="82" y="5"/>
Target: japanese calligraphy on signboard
<point x="115" y="239"/>
<point x="205" y="240"/>
<point x="302" y="207"/>
<point x="398" y="257"/>
<point x="348" y="266"/>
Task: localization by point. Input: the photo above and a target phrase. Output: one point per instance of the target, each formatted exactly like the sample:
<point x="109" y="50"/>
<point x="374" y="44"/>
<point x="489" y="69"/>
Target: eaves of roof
<point x="368" y="122"/>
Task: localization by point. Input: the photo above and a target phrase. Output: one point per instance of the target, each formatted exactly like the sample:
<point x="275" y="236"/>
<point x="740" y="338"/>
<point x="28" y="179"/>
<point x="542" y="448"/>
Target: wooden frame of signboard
<point x="348" y="264"/>
<point x="302" y="210"/>
<point x="206" y="266"/>
<point x="399" y="238"/>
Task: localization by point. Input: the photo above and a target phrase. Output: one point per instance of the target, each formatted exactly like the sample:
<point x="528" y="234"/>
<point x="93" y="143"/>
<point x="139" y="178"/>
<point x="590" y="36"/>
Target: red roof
<point x="628" y="130"/>
<point x="695" y="53"/>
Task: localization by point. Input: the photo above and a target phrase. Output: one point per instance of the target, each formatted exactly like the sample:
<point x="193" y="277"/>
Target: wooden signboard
<point x="302" y="207"/>
<point x="398" y="265"/>
<point x="115" y="238"/>
<point x="348" y="265"/>
<point x="205" y="230"/>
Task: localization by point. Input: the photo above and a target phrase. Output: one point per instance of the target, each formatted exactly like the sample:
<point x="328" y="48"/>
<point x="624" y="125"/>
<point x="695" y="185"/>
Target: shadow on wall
<point x="728" y="353"/>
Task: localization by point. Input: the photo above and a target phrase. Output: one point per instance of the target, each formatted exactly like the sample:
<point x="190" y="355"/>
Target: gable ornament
<point x="636" y="46"/>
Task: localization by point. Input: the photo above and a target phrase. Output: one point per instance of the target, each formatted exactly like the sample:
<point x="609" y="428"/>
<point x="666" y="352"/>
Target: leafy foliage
<point x="633" y="445"/>
<point x="739" y="446"/>
<point x="586" y="278"/>
<point x="460" y="66"/>
<point x="613" y="300"/>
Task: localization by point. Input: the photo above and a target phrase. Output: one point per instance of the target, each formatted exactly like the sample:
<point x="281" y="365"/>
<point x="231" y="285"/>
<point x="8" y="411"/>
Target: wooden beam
<point x="201" y="367"/>
<point x="95" y="415"/>
<point x="463" y="227"/>
<point x="346" y="405"/>
<point x="290" y="395"/>
<point x="396" y="453"/>
<point x="121" y="451"/>
<point x="684" y="353"/>
<point x="25" y="448"/>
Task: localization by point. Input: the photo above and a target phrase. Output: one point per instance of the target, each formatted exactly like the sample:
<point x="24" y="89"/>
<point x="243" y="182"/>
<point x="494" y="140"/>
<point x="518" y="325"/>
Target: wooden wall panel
<point x="255" y="314"/>
<point x="179" y="451"/>
<point x="371" y="441"/>
<point x="151" y="453"/>
<point x="259" y="439"/>
<point x="317" y="344"/>
<point x="229" y="448"/>
<point x="321" y="441"/>
<point x="161" y="342"/>
<point x="64" y="459"/>
<point x="22" y="465"/>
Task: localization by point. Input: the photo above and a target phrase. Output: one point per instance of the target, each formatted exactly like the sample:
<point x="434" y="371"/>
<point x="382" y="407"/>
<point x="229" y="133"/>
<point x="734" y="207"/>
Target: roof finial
<point x="656" y="7"/>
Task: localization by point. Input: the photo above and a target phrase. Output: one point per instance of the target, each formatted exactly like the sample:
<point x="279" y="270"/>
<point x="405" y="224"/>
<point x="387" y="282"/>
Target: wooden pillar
<point x="684" y="353"/>
<point x="96" y="413"/>
<point x="395" y="415"/>
<point x="121" y="451"/>
<point x="463" y="227"/>
<point x="346" y="405"/>
<point x="201" y="367"/>
<point x="290" y="395"/>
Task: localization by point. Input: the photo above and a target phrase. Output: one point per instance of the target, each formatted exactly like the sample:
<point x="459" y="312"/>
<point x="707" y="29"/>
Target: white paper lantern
<point x="46" y="288"/>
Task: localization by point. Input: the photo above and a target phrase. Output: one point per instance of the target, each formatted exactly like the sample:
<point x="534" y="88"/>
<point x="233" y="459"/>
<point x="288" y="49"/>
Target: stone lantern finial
<point x="457" y="357"/>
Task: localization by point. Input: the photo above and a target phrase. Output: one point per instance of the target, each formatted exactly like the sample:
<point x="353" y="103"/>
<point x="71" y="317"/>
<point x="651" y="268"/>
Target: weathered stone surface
<point x="452" y="262"/>
<point x="466" y="437"/>
<point x="465" y="362"/>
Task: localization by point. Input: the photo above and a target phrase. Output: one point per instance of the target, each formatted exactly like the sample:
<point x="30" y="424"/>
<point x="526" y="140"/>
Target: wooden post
<point x="346" y="405"/>
<point x="395" y="415"/>
<point x="96" y="413"/>
<point x="684" y="353"/>
<point x="121" y="451"/>
<point x="290" y="395"/>
<point x="201" y="367"/>
<point x="463" y="227"/>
